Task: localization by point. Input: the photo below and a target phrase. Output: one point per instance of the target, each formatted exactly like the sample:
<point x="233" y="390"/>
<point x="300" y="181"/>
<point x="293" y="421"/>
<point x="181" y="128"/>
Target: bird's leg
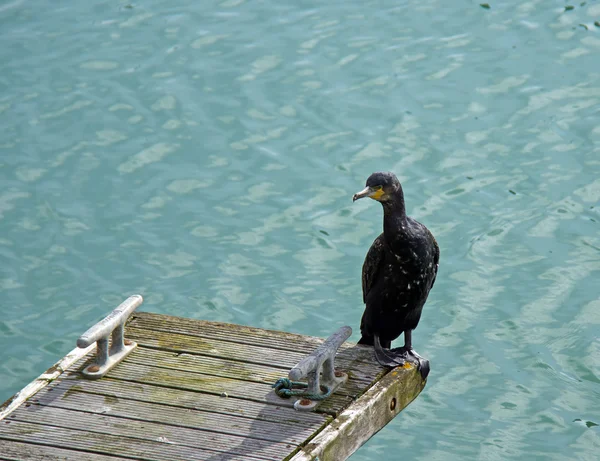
<point x="407" y="344"/>
<point x="407" y="352"/>
<point x="384" y="357"/>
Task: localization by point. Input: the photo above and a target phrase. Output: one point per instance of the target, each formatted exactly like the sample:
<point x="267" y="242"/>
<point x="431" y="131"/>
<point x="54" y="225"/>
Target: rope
<point x="284" y="388"/>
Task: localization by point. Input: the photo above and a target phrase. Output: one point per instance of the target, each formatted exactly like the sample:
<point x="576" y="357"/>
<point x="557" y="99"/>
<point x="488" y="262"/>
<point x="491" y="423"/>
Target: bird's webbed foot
<point x="399" y="356"/>
<point x="410" y="355"/>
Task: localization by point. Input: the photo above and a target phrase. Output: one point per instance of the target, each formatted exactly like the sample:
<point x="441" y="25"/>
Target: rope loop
<point x="284" y="388"/>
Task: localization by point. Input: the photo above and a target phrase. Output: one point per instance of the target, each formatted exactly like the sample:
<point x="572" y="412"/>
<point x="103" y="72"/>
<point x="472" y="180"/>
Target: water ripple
<point x="206" y="155"/>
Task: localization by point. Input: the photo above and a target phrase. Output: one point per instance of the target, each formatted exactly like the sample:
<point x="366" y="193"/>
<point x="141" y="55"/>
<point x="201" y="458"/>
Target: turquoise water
<point x="205" y="154"/>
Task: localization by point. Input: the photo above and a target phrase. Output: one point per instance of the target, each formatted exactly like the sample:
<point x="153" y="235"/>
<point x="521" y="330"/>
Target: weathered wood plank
<point x="348" y="356"/>
<point x="252" y="355"/>
<point x="215" y="385"/>
<point x="242" y="334"/>
<point x="260" y="355"/>
<point x="177" y="342"/>
<point x="115" y="389"/>
<point x="355" y="359"/>
<point x="18" y="451"/>
<point x="231" y="369"/>
<point x="266" y="373"/>
<point x="208" y="365"/>
<point x="99" y="443"/>
<point x="288" y="432"/>
<point x="365" y="417"/>
<point x="150" y="432"/>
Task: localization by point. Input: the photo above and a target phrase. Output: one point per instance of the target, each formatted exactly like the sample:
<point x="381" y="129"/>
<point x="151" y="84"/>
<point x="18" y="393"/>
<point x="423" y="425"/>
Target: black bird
<point x="398" y="272"/>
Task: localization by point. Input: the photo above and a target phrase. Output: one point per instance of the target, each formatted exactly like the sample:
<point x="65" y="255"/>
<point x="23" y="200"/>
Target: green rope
<point x="284" y="388"/>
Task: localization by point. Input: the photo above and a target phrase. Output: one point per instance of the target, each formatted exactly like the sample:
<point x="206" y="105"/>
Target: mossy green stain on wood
<point x="110" y="399"/>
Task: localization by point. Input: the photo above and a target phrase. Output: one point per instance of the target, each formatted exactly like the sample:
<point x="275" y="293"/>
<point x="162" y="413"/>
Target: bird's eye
<point x="378" y="187"/>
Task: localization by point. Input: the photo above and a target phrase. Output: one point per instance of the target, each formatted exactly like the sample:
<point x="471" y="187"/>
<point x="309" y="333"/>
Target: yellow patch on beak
<point x="377" y="194"/>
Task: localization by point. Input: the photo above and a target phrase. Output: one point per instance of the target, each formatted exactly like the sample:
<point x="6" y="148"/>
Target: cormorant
<point x="398" y="272"/>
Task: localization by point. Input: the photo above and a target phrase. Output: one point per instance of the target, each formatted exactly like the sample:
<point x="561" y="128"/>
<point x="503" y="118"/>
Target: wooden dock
<point x="198" y="390"/>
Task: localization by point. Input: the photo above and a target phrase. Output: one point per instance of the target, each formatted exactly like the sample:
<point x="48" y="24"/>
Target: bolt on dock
<point x="168" y="388"/>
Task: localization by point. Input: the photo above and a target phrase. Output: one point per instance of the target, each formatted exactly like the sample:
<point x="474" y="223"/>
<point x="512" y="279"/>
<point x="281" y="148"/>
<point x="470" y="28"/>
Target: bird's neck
<point x="394" y="214"/>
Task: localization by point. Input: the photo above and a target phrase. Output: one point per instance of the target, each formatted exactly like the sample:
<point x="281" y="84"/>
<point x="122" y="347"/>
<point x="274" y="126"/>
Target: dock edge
<point x="43" y="380"/>
<point x="365" y="417"/>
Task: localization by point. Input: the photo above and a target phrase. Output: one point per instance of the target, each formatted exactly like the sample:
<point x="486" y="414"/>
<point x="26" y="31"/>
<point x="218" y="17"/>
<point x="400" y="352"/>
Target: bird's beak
<point x="366" y="192"/>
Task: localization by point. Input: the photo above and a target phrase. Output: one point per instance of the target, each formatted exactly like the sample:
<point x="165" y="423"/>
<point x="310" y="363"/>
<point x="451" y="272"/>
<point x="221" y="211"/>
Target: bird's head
<point x="381" y="186"/>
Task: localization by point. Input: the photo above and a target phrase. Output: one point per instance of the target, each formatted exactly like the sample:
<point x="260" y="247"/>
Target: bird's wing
<point x="373" y="260"/>
<point x="436" y="259"/>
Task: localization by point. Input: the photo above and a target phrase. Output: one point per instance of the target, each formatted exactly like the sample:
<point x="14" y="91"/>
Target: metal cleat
<point x="113" y="324"/>
<point x="319" y="369"/>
